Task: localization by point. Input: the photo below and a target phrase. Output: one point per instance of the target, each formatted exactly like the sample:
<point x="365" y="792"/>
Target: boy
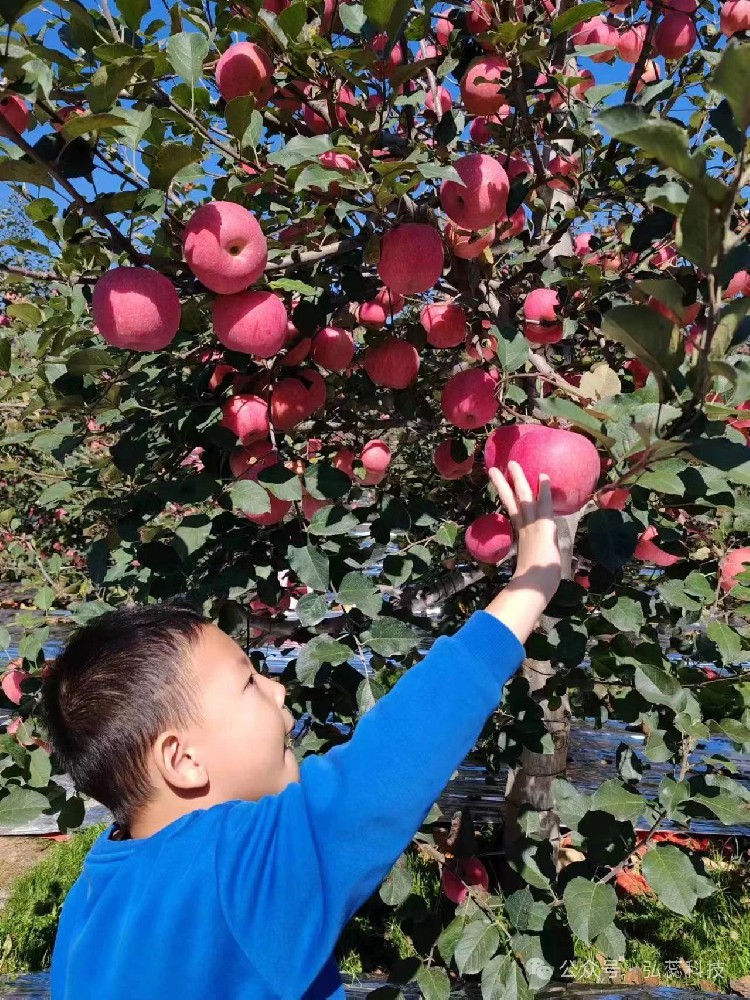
<point x="229" y="871"/>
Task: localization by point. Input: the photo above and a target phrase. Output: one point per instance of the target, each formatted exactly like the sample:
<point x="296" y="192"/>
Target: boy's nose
<point x="279" y="691"/>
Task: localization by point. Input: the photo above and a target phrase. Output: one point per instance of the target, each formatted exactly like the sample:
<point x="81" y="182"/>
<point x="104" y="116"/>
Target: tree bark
<point x="529" y="785"/>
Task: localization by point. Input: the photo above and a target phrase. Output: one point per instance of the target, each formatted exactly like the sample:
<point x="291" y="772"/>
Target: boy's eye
<point x="250" y="680"/>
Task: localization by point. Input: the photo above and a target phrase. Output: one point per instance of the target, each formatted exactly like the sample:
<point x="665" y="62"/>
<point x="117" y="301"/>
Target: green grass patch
<point x="28" y="923"/>
<point x="712" y="944"/>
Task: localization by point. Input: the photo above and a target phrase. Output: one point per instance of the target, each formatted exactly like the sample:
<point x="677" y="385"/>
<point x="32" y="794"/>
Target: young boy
<point x="229" y="871"/>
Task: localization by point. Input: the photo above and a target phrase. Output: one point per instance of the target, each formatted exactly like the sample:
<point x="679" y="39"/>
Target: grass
<point x="713" y="944"/>
<point x="28" y="923"/>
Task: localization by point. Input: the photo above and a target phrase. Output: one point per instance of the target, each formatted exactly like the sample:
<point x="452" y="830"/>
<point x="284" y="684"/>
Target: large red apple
<point x="489" y="538"/>
<point x="482" y="198"/>
<point x="250" y="322"/>
<point x="136" y="308"/>
<point x="225" y="247"/>
<point x="446" y="465"/>
<point x="244" y="69"/>
<point x="411" y="258"/>
<point x="484" y="85"/>
<point x="394" y="364"/>
<point x="569" y="459"/>
<point x="445" y="324"/>
<point x="470" y="399"/>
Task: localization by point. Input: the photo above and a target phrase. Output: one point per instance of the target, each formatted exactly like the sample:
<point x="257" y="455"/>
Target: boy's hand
<point x="538" y="570"/>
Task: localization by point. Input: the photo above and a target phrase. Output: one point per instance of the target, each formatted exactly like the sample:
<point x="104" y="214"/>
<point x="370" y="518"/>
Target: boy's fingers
<point x="505" y="494"/>
<point x="545" y="495"/>
<point x="520" y="483"/>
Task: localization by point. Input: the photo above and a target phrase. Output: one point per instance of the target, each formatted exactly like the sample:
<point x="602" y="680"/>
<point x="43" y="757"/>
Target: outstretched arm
<point x="329" y="841"/>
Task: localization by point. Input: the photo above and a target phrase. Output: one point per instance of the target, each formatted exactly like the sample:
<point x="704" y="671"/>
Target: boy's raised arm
<point x="333" y="837"/>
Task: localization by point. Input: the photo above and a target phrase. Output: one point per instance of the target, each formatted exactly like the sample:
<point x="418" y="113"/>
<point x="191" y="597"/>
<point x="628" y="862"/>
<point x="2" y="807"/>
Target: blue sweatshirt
<point x="246" y="900"/>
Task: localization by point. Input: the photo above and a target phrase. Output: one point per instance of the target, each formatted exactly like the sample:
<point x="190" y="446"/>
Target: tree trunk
<point x="529" y="785"/>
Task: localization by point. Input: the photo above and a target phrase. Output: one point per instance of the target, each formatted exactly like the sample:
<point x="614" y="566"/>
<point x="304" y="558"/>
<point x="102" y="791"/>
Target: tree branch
<point x="120" y="241"/>
<point x="310" y="256"/>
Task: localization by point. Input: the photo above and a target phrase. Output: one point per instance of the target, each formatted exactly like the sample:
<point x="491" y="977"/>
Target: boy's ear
<point x="178" y="763"/>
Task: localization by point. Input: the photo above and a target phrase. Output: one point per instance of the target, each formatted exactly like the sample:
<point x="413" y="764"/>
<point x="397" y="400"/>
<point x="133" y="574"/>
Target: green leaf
<point x="626" y="614"/>
<point x="391" y="637"/>
<point x="512" y="351"/>
<point x="104" y="90"/>
<point x="397" y="884"/>
<point x="647" y="334"/>
<point x="730" y="79"/>
<point x="292" y="19"/>
<point x="440" y="171"/>
<point x="244" y="121"/>
<point x="186" y="53"/>
<point x="502" y="979"/>
<point x="674" y="879"/>
<point x="299" y="149"/>
<point x="666" y="141"/>
<point x="192" y="535"/>
<point x="27" y="312"/>
<point x="732" y="316"/>
<point x="611" y="942"/>
<point x="40" y="768"/>
<point x="612" y="797"/>
<point x="700" y="230"/>
<point x="591" y="908"/>
<point x="434" y="982"/>
<point x="72" y="814"/>
<point x="352" y="17"/>
<point x="133" y="12"/>
<point x="325" y="482"/>
<point x="728" y="456"/>
<point x="669" y="195"/>
<point x="249" y="497"/>
<point x="12" y="10"/>
<point x="447" y="534"/>
<point x="673" y="592"/>
<point x="52" y="495"/>
<point x="310" y="566"/>
<point x="477" y="946"/>
<point x="450" y="936"/>
<point x="696" y="584"/>
<point x="358" y="590"/>
<point x="21" y="806"/>
<point x="78" y="125"/>
<point x="311" y="609"/>
<point x="577" y="15"/>
<point x="89" y="361"/>
<point x="727" y="641"/>
<point x="388" y="15"/>
<point x="25" y="173"/>
<point x="282" y="482"/>
<point x="525" y="912"/>
<point x="171" y="158"/>
<point x="333" y="520"/>
<point x="659" y="687"/>
<point x="556" y="406"/>
<point x="318" y="651"/>
<point x="44" y="599"/>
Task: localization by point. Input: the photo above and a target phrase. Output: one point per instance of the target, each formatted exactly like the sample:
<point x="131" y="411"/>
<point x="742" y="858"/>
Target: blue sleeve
<point x="293" y="868"/>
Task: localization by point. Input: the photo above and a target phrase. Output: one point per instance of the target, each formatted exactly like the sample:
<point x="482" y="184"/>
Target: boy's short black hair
<point x="121" y="680"/>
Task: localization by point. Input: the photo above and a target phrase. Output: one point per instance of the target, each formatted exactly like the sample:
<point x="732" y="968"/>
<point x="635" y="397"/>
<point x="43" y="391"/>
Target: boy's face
<point x="241" y="742"/>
